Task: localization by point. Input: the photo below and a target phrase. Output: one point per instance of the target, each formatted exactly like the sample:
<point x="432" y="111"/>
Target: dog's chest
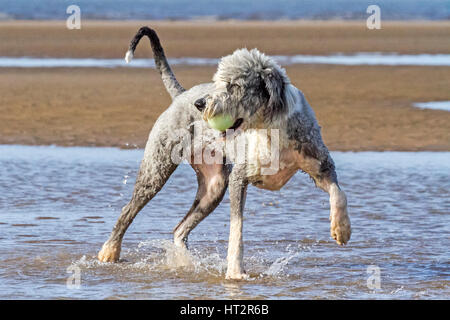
<point x="287" y="168"/>
<point x="270" y="162"/>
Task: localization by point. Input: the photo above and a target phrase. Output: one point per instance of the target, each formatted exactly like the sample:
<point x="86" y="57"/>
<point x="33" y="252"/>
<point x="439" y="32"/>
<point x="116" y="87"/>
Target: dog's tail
<point x="170" y="82"/>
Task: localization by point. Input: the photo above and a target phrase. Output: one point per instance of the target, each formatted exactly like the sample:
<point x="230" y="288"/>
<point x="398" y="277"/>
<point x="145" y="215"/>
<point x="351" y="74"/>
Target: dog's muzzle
<point x="200" y="104"/>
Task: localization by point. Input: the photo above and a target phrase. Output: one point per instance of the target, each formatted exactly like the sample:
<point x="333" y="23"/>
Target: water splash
<point x="193" y="260"/>
<point x="278" y="267"/>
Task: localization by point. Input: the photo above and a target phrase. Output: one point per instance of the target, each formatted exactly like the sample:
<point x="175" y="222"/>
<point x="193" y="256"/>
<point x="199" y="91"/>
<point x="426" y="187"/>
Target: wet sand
<point x="110" y="39"/>
<point x="358" y="107"/>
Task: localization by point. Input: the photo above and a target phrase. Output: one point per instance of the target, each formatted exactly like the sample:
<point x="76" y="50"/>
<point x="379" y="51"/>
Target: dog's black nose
<point x="200" y="104"/>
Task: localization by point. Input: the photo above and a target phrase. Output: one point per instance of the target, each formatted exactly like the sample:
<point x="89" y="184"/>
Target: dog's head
<point x="249" y="92"/>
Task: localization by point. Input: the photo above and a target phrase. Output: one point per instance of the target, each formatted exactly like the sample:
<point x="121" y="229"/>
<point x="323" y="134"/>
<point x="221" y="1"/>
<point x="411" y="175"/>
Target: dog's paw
<point x="110" y="252"/>
<point x="340" y="228"/>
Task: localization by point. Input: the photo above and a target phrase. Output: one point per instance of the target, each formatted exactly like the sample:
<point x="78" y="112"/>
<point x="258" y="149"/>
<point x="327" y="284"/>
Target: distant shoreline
<point x="233" y="21"/>
<point x="220" y="10"/>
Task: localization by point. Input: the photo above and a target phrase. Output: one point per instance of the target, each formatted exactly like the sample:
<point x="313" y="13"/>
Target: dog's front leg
<point x="340" y="228"/>
<point x="321" y="169"/>
<point x="238" y="191"/>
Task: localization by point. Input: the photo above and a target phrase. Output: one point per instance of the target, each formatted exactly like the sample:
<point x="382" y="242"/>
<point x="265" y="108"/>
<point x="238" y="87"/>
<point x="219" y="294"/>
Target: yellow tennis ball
<point x="221" y="122"/>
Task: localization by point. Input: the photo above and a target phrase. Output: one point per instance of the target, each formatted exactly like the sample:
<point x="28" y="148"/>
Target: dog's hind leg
<point x="212" y="184"/>
<point x="152" y="176"/>
<point x="318" y="163"/>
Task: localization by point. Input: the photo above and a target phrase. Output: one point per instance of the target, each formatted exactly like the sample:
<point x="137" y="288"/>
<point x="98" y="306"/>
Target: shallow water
<point x="58" y="205"/>
<point x="434" y="105"/>
<point x="225" y="9"/>
<point x="357" y="59"/>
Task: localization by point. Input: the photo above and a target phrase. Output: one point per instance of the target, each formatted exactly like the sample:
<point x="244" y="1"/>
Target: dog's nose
<point x="200" y="104"/>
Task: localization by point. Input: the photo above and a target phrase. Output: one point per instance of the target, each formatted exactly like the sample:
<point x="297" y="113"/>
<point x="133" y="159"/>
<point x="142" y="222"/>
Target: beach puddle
<point x="434" y="105"/>
<point x="58" y="205"/>
<point x="357" y="59"/>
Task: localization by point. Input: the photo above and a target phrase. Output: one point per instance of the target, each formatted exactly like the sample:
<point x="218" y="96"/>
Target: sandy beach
<point x="358" y="107"/>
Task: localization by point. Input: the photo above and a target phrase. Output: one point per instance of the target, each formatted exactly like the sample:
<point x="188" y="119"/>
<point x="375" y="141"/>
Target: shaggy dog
<point x="266" y="110"/>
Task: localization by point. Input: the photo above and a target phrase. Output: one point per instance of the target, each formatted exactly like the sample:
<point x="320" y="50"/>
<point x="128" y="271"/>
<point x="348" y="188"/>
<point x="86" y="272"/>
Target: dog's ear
<point x="274" y="85"/>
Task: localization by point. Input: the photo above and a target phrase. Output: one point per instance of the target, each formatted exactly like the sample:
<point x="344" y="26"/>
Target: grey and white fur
<point x="258" y="94"/>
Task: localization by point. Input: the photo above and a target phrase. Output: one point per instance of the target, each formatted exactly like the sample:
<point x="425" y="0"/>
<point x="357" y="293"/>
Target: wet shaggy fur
<point x="251" y="87"/>
<point x="251" y="80"/>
